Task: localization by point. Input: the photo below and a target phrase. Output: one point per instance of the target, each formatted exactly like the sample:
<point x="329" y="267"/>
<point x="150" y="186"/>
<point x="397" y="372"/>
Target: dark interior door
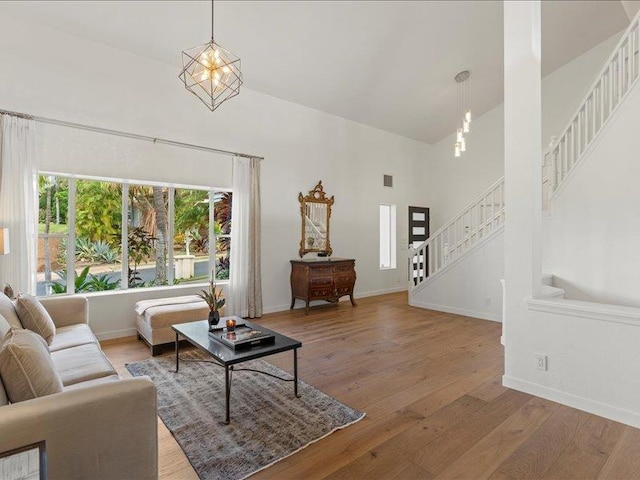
<point x="418" y="233"/>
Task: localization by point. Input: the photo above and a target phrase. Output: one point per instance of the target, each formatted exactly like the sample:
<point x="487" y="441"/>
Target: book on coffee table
<point x="243" y="337"/>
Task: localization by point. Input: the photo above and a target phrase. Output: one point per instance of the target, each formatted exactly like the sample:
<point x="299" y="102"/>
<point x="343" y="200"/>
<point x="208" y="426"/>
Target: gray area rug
<point x="267" y="422"/>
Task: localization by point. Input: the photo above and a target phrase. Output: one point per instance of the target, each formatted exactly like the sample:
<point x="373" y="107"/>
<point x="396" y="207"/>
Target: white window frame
<point x="387" y="237"/>
<point x="124" y="275"/>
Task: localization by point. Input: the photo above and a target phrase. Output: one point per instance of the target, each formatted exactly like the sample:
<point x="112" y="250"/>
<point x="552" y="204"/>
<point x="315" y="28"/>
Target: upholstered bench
<point x="155" y="317"/>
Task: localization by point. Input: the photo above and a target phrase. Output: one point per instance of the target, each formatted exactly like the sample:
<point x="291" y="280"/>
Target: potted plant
<point x="215" y="300"/>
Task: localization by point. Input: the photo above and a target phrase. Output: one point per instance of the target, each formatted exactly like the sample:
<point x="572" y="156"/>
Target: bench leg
<point x="156" y="350"/>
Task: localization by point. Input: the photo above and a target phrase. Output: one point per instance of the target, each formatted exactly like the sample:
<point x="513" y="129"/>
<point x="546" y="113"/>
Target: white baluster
<point x="568" y="149"/>
<point x="619" y="73"/>
<point x="592" y="116"/>
<point x="610" y="81"/>
<point x="551" y="169"/>
<point x="602" y="90"/>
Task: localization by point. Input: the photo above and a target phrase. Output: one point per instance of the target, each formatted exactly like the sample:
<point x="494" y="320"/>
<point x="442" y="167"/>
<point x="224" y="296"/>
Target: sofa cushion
<point x="26" y="367"/>
<point x="8" y="311"/>
<point x="81" y="363"/>
<point x="34" y="317"/>
<point x="95" y="381"/>
<point x="72" y="336"/>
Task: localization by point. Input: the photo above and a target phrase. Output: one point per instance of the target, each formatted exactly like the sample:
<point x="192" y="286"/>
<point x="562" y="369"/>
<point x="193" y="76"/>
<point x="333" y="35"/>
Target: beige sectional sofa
<point x="99" y="426"/>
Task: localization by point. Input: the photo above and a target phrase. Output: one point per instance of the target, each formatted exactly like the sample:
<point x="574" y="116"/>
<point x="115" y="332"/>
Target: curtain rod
<point x="120" y="133"/>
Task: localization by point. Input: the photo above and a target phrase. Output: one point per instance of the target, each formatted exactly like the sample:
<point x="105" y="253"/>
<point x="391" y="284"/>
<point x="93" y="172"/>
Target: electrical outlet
<point x="541" y="361"/>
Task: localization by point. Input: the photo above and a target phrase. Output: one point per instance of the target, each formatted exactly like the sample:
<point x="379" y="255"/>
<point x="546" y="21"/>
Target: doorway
<point x="418" y="233"/>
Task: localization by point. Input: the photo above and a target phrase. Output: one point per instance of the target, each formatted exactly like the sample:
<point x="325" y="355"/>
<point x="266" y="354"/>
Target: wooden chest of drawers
<point x="320" y="279"/>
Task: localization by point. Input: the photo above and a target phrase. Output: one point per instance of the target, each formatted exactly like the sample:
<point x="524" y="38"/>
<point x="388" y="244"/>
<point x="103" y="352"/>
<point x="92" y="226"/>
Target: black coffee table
<point x="197" y="334"/>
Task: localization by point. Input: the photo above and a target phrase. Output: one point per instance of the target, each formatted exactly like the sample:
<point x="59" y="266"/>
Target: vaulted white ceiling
<point x="388" y="64"/>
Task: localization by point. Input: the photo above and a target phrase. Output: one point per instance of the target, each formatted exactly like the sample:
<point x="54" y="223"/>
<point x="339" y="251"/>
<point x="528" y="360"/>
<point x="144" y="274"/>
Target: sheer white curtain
<point x="245" y="288"/>
<point x="18" y="202"/>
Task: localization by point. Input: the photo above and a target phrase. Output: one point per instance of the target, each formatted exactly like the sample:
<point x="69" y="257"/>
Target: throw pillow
<point x="26" y="367"/>
<point x="8" y="311"/>
<point x="5" y="326"/>
<point x="34" y="317"/>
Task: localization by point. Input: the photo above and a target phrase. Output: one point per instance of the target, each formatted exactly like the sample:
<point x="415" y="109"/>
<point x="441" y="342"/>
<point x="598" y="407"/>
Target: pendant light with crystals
<point x="463" y="112"/>
<point x="211" y="72"/>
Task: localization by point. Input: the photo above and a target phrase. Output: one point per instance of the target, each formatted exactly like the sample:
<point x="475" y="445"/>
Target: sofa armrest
<point x="104" y="431"/>
<point x="68" y="310"/>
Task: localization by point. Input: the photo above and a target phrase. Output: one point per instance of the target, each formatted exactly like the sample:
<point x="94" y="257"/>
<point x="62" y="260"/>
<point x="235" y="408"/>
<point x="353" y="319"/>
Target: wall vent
<point x="387" y="180"/>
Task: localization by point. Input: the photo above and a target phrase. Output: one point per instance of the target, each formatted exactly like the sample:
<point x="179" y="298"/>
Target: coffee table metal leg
<point x="227" y="382"/>
<point x="295" y="372"/>
<point x="177" y="356"/>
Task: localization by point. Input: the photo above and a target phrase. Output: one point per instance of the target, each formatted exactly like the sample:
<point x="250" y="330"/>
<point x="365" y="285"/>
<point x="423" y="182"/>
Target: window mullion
<point x="71" y="239"/>
<point x="212" y="235"/>
<point x="171" y="234"/>
<point x="124" y="240"/>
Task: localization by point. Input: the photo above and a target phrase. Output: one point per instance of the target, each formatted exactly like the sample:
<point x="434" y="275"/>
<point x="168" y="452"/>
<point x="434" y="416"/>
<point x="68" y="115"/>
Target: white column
<point x="523" y="155"/>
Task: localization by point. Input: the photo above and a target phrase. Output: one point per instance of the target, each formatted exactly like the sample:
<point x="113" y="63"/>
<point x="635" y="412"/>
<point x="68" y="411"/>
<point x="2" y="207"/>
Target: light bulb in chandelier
<point x="457" y="149"/>
<point x="459" y="136"/>
<point x="465" y="126"/>
<point x="463" y="145"/>
<point x="467" y="116"/>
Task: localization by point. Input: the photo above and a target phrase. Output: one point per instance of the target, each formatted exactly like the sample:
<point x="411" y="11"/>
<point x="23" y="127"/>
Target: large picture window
<point x="117" y="234"/>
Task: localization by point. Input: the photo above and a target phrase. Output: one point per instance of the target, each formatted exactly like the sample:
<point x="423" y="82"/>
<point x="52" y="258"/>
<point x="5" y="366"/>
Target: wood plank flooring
<point x="430" y="384"/>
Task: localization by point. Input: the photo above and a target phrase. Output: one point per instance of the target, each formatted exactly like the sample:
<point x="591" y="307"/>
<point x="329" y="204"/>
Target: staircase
<point x="599" y="105"/>
<point x="484" y="218"/>
<point x="447" y="246"/>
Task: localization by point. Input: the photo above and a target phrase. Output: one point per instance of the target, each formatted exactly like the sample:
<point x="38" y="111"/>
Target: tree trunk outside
<point x="161" y="235"/>
<point x="47" y="230"/>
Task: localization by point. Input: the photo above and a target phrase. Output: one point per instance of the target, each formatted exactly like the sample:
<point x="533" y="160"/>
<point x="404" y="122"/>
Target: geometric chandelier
<point x="463" y="112"/>
<point x="211" y="72"/>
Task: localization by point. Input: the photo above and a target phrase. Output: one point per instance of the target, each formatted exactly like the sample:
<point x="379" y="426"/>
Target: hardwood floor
<point x="430" y="384"/>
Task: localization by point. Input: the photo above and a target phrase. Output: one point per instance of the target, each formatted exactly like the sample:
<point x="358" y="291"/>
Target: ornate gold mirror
<point x="315" y="209"/>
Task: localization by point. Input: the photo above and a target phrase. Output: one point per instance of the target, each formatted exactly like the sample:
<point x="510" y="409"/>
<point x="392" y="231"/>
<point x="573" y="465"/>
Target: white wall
<point x="593" y="361"/>
<point x="49" y="73"/>
<point x="594" y="217"/>
<point x="456" y="182"/>
<point x="470" y="286"/>
<point x="82" y="152"/>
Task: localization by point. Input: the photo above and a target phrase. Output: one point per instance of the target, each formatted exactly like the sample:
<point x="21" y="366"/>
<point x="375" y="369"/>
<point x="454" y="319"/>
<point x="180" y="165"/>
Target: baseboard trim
<point x="300" y="304"/>
<point x="125" y="332"/>
<point x="128" y="332"/>
<point x="275" y="308"/>
<point x="375" y="293"/>
<point x="458" y="311"/>
<point x="592" y="406"/>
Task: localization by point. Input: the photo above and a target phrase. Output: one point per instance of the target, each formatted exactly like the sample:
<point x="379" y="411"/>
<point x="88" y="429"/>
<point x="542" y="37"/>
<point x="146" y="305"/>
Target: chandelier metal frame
<point x="211" y="72"/>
